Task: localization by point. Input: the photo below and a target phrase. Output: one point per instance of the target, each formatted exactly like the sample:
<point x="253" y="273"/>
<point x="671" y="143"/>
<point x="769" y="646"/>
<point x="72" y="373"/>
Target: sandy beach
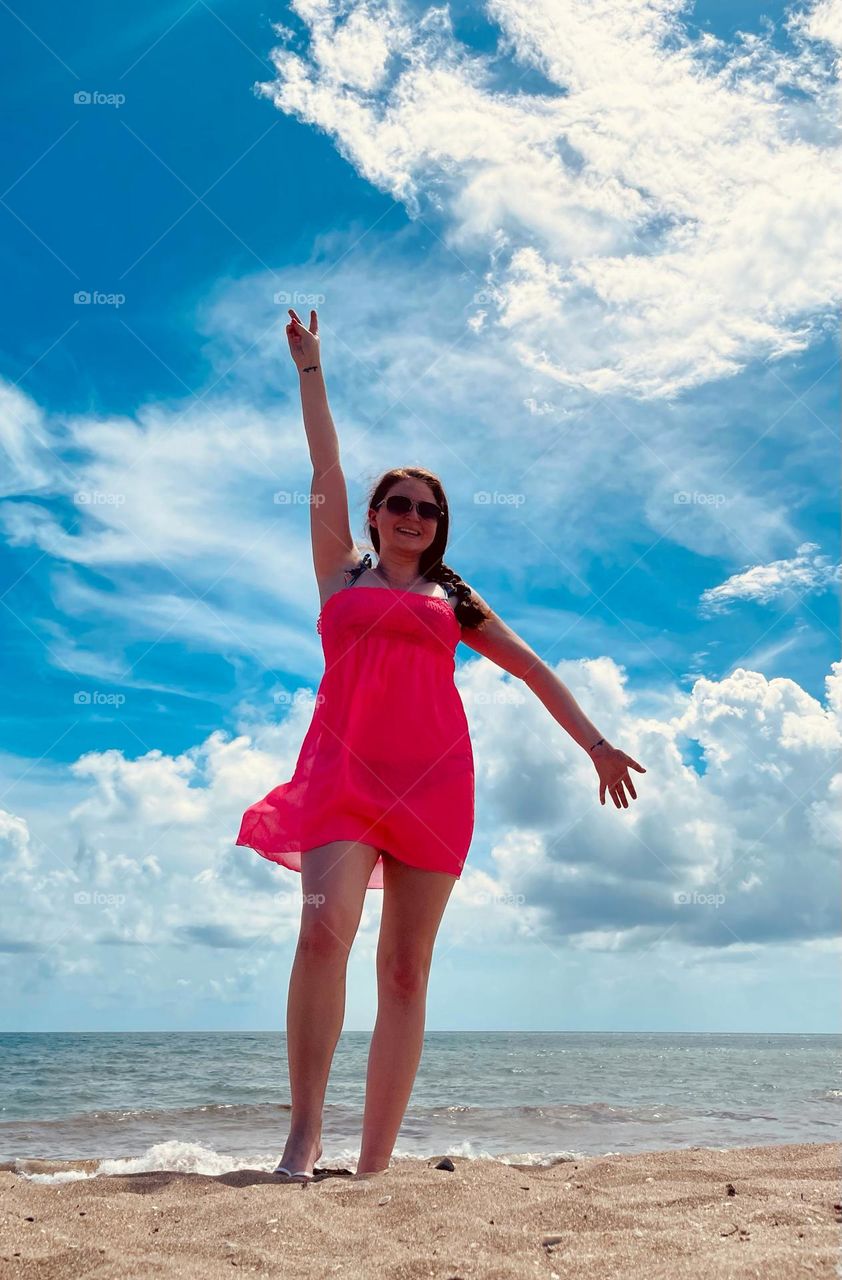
<point x="750" y="1211"/>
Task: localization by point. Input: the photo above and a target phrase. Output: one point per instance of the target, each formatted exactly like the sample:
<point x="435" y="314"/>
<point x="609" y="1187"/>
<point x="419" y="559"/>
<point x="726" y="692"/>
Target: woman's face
<point x="410" y="534"/>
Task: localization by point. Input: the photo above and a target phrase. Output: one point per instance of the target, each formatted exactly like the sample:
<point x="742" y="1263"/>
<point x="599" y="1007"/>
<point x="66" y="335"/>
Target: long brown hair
<point x="431" y="564"/>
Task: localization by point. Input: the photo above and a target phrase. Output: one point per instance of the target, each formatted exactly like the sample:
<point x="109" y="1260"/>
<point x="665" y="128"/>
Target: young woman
<point x="383" y="791"/>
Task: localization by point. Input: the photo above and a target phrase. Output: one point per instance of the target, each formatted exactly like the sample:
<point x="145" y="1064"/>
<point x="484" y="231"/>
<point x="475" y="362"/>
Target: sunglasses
<point x="398" y="505"/>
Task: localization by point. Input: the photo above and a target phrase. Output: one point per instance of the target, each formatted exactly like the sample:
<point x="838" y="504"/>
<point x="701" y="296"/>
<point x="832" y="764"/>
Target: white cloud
<point x="670" y="196"/>
<point x="821" y="21"/>
<point x="143" y="858"/>
<point x="151" y="791"/>
<point x="783" y="580"/>
<point x="753" y="828"/>
<point x="179" y="541"/>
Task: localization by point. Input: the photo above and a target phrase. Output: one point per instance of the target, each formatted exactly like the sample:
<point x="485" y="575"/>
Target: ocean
<point x="210" y="1102"/>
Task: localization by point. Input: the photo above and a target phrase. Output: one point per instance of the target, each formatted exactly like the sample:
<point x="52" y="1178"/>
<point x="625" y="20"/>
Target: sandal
<point x="302" y="1175"/>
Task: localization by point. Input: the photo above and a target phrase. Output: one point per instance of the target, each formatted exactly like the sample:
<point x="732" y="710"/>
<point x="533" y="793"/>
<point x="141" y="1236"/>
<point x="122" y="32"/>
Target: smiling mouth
<point x="413" y="533"/>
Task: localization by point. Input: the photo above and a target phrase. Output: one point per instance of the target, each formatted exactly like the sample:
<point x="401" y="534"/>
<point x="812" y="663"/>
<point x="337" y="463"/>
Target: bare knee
<point x="403" y="976"/>
<point x="325" y="935"/>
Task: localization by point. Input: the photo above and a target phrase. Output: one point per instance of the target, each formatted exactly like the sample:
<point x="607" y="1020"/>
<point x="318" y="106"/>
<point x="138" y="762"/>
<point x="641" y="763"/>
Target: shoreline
<point x="667" y="1214"/>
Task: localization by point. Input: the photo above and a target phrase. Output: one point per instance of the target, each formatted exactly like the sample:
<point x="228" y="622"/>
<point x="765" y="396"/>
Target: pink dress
<point x="387" y="758"/>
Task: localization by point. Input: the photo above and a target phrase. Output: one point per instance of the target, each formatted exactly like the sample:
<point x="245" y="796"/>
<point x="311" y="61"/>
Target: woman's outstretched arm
<point x="333" y="545"/>
<point x="498" y="642"/>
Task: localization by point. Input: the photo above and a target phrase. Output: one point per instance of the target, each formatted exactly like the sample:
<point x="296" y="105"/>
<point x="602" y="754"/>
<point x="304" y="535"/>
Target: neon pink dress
<point x="387" y="758"/>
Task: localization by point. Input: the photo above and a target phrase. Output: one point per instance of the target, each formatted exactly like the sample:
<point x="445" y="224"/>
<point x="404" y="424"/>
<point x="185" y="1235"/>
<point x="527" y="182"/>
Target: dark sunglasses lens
<point x="399" y="505"/>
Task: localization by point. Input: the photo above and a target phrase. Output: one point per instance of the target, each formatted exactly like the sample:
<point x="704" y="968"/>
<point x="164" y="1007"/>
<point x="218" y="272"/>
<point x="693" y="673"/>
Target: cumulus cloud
<point x="740" y="854"/>
<point x="138" y="865"/>
<point x="667" y="192"/>
<point x="805" y="573"/>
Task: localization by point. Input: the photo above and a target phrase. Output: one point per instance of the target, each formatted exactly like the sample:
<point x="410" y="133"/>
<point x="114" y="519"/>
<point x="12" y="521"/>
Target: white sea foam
<point x="67" y="1175"/>
<point x="193" y="1157"/>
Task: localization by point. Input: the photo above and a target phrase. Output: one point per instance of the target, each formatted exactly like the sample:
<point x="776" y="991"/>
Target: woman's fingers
<point x="314" y="320"/>
<point x="617" y="789"/>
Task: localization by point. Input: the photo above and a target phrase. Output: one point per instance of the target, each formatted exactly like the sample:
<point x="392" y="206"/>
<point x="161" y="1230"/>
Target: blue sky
<point x="581" y="256"/>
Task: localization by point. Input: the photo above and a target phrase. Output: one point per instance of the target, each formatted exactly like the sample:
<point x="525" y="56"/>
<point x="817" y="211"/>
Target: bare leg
<point x="333" y="884"/>
<point x="413" y="905"/>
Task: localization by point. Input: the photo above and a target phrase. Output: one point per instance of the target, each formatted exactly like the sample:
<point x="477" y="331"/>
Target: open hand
<point x="613" y="766"/>
<point x="303" y="342"/>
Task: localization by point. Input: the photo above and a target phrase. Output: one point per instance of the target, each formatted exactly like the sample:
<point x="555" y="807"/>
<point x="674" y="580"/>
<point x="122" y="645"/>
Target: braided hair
<point x="469" y="612"/>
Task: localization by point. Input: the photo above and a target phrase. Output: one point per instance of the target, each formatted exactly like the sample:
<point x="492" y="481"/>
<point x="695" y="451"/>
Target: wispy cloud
<point x="803" y="574"/>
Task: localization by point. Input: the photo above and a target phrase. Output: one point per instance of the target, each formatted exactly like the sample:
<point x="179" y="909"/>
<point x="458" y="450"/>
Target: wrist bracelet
<point x="596" y="744"/>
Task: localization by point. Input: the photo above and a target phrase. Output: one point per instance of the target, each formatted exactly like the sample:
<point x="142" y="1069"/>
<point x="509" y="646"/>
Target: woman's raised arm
<point x="330" y="529"/>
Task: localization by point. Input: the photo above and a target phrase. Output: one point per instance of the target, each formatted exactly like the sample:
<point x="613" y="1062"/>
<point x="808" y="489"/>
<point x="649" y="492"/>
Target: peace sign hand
<point x="613" y="765"/>
<point x="303" y="342"/>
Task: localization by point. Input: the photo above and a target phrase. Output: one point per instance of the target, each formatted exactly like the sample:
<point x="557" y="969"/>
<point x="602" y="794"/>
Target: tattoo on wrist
<point x="308" y="368"/>
<point x="597" y="744"/>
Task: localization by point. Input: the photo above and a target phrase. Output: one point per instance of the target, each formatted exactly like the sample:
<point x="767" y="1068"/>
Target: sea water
<point x="214" y="1101"/>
